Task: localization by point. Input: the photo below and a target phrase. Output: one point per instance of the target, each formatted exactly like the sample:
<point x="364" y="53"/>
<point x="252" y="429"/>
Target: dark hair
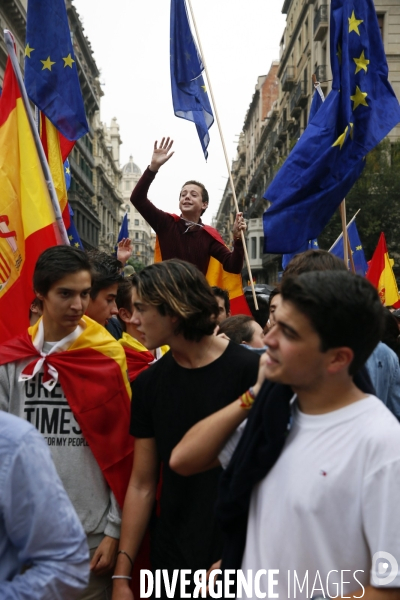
<point x="224" y="294"/>
<point x="55" y="263"/>
<point x="313" y="260"/>
<point x="344" y="309"/>
<point x="238" y="328"/>
<point x="204" y="193"/>
<point x="106" y="270"/>
<point x="178" y="288"/>
<point x="124" y="298"/>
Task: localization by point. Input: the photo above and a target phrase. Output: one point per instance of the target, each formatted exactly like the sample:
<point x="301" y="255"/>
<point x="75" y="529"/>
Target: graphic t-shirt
<point x="167" y="400"/>
<point x="48" y="410"/>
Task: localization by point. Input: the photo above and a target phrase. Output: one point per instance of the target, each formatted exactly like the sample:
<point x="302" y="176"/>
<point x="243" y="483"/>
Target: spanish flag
<point x="93" y="376"/>
<point x="380" y="274"/>
<point x="27" y="221"/>
<point x="217" y="276"/>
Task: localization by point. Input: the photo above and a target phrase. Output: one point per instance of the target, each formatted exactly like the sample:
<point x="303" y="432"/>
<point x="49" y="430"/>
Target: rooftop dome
<point x="131" y="168"/>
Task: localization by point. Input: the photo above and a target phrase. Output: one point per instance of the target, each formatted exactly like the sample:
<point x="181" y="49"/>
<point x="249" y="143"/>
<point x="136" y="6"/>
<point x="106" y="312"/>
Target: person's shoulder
<point x="14" y="430"/>
<point x="155" y="370"/>
<point x="243" y="353"/>
<point x="380" y="428"/>
<point x="382" y="352"/>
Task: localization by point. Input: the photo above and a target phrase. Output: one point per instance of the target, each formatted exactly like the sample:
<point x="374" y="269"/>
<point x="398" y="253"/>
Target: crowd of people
<point x="145" y="428"/>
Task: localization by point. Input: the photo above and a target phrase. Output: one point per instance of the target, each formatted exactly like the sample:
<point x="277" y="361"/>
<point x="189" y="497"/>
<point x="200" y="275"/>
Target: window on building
<point x="136" y="222"/>
<point x="261" y="245"/>
<point x="253" y="247"/>
<point x="381" y="19"/>
<point x="136" y="248"/>
<point x="127" y="185"/>
<point x="136" y="235"/>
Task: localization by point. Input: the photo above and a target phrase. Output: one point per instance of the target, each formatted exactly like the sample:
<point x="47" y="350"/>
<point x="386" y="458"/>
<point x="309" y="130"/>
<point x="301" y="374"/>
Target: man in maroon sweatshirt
<point x="186" y="237"/>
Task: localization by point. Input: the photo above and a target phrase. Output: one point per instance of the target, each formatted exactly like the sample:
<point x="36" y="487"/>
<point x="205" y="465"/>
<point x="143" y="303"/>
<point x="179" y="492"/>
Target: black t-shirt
<point x="167" y="400"/>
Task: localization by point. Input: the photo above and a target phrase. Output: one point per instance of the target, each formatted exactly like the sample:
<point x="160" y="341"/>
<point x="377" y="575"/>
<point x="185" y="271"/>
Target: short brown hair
<point x="178" y="288"/>
<point x="314" y="260"/>
<point x="238" y="328"/>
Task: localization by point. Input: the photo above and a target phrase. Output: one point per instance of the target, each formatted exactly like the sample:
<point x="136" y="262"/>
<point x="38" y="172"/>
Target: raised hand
<point x="161" y="154"/>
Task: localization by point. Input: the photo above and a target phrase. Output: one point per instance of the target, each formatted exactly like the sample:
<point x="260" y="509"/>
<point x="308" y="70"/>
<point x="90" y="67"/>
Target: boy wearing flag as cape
<point x="186" y="237"/>
<point x="67" y="376"/>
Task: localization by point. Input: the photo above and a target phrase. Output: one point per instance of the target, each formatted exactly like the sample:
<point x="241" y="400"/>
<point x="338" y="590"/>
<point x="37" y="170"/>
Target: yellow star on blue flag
<point x="51" y="77"/>
<point x="357" y="114"/>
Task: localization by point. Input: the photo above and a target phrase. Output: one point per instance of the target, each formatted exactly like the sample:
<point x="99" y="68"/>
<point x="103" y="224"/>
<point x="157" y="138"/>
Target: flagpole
<point x="42" y="157"/>
<point x="345" y="237"/>
<point x="341" y="235"/>
<point x="246" y="255"/>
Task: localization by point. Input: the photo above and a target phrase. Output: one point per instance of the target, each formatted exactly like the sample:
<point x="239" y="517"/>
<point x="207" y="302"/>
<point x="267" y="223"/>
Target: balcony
<point x="321" y="73"/>
<point x="321" y="23"/>
<point x="298" y="99"/>
<point x="287" y="80"/>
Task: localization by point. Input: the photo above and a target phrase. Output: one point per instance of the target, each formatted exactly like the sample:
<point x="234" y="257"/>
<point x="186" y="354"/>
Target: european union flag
<point x="73" y="235"/>
<point x="327" y="160"/>
<point x="123" y="232"/>
<point x="317" y="100"/>
<point x="360" y="264"/>
<point x="67" y="174"/>
<point x="310" y="245"/>
<point x="51" y="76"/>
<point x="189" y="94"/>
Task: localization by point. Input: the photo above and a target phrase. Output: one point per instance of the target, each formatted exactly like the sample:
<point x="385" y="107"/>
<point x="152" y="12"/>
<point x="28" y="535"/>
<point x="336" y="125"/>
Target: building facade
<point x="139" y="230"/>
<point x="94" y="194"/>
<point x="267" y="138"/>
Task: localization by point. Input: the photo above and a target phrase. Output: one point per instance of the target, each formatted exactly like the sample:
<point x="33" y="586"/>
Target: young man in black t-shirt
<point x="202" y="373"/>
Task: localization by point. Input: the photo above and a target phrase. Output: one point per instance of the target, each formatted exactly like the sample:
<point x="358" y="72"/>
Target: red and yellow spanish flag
<point x="217" y="276"/>
<point x="27" y="221"/>
<point x="51" y="141"/>
<point x="380" y="274"/>
<point x="93" y="376"/>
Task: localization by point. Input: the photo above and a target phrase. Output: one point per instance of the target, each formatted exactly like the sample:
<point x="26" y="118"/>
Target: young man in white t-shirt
<point x="325" y="518"/>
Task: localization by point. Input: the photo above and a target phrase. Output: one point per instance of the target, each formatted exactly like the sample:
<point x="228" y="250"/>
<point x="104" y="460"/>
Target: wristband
<point x="121" y="577"/>
<point x="247" y="399"/>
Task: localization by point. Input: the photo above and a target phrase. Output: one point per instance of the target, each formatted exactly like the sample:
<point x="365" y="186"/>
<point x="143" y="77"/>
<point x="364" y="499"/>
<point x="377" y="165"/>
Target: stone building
<point x="107" y="181"/>
<point x="12" y="17"/>
<point x="139" y="230"/>
<point x="264" y="143"/>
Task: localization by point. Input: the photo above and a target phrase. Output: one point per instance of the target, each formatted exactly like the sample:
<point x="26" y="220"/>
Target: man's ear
<point x="339" y="359"/>
<point x="125" y="315"/>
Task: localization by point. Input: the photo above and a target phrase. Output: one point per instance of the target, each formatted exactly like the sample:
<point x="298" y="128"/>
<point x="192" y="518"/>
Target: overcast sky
<point x="130" y="40"/>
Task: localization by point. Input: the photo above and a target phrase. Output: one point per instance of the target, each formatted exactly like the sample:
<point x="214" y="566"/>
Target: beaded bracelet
<point x="247" y="399"/>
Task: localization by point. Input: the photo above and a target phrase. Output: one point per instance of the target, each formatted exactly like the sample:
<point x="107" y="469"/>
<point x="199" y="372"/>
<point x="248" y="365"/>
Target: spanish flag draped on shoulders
<point x="138" y="357"/>
<point x="217" y="276"/>
<point x="90" y="366"/>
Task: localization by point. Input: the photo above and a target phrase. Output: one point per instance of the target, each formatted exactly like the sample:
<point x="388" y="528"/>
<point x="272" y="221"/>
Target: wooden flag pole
<point x="341" y="235"/>
<point x="42" y="157"/>
<point x="246" y="255"/>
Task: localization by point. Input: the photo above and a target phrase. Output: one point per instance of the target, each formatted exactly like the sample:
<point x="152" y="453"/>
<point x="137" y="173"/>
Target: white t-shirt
<point x="330" y="502"/>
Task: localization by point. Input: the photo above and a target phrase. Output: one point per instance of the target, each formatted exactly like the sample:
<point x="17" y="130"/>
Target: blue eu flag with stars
<point x="189" y="94"/>
<point x="357" y="251"/>
<point x="358" y="113"/>
<point x="51" y="76"/>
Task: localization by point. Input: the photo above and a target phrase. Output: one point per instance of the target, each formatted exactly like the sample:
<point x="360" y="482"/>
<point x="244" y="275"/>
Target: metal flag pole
<point x="42" y="157"/>
<point x="246" y="255"/>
